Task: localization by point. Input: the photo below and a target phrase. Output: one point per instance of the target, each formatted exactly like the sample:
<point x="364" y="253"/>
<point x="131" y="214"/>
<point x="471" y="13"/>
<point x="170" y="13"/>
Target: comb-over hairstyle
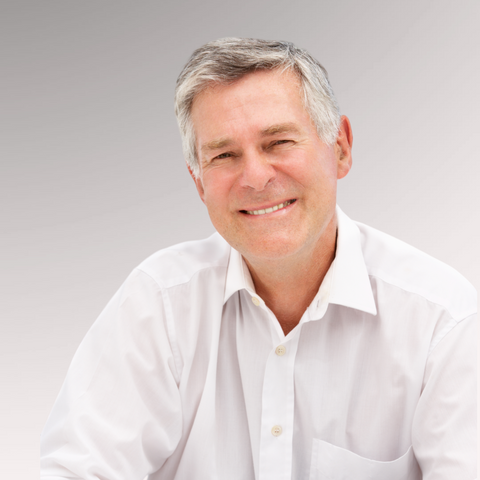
<point x="225" y="60"/>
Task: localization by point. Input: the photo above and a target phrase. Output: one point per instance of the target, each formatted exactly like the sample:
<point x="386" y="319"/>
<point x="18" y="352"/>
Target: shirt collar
<point x="238" y="276"/>
<point x="348" y="282"/>
<point x="351" y="285"/>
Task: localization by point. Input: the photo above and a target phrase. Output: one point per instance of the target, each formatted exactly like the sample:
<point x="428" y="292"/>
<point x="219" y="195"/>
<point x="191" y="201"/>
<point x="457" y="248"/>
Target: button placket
<point x="278" y="412"/>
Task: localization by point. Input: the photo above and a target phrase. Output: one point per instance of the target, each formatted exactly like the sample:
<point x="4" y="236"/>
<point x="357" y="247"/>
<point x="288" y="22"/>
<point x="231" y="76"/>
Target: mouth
<point x="270" y="209"/>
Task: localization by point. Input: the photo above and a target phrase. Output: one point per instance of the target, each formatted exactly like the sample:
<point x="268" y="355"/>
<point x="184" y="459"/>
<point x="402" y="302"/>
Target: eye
<point x="222" y="156"/>
<point x="281" y="142"/>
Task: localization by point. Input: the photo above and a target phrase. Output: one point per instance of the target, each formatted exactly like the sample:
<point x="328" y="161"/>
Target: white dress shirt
<point x="188" y="375"/>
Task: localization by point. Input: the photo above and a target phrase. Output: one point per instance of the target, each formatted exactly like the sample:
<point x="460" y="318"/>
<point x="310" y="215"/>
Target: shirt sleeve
<point x="444" y="426"/>
<point x="118" y="415"/>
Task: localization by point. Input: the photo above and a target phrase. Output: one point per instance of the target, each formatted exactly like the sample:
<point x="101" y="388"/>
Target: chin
<point x="268" y="248"/>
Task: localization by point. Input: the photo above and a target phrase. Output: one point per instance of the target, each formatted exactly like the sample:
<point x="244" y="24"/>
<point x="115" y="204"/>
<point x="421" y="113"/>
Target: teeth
<point x="271" y="209"/>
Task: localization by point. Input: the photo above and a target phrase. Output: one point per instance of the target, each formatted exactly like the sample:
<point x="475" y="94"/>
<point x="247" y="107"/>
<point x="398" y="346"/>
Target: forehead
<point x="256" y="100"/>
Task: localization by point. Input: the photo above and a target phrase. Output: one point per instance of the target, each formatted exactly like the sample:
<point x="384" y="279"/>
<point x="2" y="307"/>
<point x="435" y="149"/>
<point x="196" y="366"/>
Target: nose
<point x="257" y="171"/>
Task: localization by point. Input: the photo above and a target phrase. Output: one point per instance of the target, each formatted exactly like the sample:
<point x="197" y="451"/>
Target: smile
<point x="269" y="210"/>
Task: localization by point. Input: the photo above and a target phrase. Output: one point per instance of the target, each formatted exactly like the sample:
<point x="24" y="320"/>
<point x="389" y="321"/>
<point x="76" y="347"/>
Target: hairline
<point x="227" y="60"/>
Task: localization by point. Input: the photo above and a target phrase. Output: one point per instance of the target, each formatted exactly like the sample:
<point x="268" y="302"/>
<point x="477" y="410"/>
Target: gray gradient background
<point x="92" y="175"/>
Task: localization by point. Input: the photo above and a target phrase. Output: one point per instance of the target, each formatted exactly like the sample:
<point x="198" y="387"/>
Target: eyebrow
<point x="271" y="130"/>
<point x="280" y="128"/>
<point x="216" y="144"/>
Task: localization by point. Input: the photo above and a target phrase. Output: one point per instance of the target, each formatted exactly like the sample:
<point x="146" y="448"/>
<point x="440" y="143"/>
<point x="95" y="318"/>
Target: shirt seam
<point x="170" y="321"/>
<point x="411" y="291"/>
<point x="181" y="281"/>
<point x="170" y="324"/>
<point x="162" y="286"/>
<point x="447" y="330"/>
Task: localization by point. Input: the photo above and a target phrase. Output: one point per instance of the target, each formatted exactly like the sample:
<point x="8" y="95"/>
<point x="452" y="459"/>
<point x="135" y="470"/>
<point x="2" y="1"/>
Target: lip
<point x="269" y="205"/>
<point x="266" y="205"/>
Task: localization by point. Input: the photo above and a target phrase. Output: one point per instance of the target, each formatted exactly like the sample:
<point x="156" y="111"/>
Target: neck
<point x="289" y="285"/>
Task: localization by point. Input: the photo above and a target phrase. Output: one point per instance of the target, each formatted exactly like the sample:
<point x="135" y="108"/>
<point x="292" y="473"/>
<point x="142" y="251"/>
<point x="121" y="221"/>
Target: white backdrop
<point x="93" y="180"/>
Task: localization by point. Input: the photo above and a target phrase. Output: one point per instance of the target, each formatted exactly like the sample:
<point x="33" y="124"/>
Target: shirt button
<point x="256" y="301"/>
<point x="276" y="430"/>
<point x="280" y="350"/>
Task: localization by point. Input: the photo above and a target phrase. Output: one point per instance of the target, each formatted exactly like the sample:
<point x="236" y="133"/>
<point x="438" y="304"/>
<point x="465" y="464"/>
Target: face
<point x="268" y="181"/>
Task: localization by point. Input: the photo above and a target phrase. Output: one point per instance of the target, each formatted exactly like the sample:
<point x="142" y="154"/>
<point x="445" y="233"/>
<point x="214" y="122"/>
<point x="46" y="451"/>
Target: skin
<point x="257" y="148"/>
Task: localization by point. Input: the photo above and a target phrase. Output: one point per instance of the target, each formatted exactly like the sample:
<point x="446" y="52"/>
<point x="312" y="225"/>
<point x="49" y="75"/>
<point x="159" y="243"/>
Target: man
<point x="292" y="344"/>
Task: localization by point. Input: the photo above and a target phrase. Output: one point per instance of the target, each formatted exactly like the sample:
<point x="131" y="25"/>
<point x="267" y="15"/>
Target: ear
<point x="343" y="147"/>
<point x="198" y="183"/>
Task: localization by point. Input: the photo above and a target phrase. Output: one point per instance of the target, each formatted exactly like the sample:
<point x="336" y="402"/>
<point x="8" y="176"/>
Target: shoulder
<point x="179" y="263"/>
<point x="399" y="264"/>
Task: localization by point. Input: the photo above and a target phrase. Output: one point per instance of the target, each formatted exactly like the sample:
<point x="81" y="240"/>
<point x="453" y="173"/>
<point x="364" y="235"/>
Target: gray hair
<point x="228" y="59"/>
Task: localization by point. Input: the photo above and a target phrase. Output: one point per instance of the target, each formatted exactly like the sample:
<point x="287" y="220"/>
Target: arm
<point x="118" y="414"/>
<point x="444" y="428"/>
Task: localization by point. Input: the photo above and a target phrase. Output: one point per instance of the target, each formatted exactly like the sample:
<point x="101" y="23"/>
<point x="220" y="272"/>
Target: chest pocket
<point x="334" y="463"/>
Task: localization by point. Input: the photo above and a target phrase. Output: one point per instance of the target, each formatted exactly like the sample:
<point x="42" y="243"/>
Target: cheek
<point x="218" y="188"/>
<point x="216" y="200"/>
<point x="318" y="178"/>
<point x="326" y="173"/>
